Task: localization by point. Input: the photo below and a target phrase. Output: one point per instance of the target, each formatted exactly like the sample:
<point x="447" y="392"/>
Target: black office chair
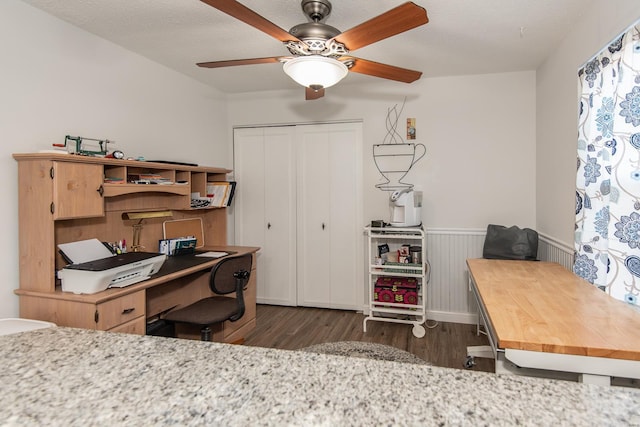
<point x="229" y="275"/>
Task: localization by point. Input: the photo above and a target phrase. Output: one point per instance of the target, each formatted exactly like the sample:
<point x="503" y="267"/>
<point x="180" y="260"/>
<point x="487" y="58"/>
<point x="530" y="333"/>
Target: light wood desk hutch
<point x="65" y="198"/>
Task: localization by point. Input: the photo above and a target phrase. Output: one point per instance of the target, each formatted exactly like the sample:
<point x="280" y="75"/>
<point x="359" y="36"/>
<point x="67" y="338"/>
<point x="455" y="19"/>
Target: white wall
<point x="557" y="112"/>
<point x="59" y="80"/>
<point x="479" y="132"/>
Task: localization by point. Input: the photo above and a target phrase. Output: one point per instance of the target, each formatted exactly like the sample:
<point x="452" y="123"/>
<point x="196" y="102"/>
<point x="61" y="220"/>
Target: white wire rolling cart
<point x="402" y="303"/>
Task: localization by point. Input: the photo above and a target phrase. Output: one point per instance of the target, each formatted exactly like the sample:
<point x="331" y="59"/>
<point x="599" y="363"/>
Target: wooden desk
<point x="128" y="309"/>
<point x="540" y="315"/>
<point x="65" y="198"/>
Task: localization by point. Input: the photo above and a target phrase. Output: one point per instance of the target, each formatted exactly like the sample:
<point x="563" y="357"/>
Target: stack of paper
<point x="84" y="251"/>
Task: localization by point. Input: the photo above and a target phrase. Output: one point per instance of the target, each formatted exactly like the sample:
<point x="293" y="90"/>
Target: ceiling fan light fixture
<point x="315" y="71"/>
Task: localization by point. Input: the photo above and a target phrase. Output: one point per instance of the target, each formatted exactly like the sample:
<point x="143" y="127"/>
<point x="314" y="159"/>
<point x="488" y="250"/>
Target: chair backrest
<point x="223" y="274"/>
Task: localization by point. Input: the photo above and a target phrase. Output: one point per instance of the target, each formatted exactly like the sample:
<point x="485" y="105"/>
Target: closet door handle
<point x="268" y="226"/>
<point x="323" y="225"/>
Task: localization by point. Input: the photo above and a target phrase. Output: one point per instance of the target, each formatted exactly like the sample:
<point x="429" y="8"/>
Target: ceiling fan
<point x="320" y="54"/>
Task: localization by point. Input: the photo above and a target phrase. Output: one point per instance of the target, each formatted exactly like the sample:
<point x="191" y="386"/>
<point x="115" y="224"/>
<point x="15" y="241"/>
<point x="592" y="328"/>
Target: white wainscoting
<point x="448" y="298"/>
<point x="550" y="249"/>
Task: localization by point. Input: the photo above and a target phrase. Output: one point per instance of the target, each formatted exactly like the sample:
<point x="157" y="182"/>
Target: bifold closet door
<point x="264" y="165"/>
<point x="328" y="227"/>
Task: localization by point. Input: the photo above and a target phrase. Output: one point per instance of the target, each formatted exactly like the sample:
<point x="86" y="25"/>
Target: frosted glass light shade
<point x="315" y="70"/>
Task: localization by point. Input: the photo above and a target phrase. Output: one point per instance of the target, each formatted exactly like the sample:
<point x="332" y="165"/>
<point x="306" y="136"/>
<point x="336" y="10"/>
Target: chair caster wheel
<point x="469" y="362"/>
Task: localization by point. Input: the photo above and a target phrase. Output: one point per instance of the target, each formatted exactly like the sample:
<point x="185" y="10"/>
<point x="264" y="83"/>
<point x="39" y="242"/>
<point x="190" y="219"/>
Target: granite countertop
<point x="74" y="377"/>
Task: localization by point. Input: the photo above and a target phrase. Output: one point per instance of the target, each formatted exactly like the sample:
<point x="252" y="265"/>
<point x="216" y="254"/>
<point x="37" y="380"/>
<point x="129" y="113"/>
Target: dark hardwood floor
<point x="292" y="328"/>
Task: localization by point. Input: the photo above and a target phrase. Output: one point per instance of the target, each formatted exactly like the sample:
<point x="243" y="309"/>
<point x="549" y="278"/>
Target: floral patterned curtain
<point x="607" y="234"/>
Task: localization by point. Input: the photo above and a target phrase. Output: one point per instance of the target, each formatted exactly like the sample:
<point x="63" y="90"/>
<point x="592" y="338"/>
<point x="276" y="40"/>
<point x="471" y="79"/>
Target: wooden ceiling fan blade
<point x="248" y="16"/>
<point x="234" y="62"/>
<point x="384" y="71"/>
<point x="395" y="21"/>
<point x="310" y="94"/>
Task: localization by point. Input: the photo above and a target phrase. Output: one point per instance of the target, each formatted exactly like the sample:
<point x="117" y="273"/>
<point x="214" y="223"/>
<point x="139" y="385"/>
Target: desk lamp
<point x="137" y="227"/>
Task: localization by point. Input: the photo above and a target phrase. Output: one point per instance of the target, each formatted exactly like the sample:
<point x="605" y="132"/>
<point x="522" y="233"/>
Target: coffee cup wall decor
<point x="394" y="161"/>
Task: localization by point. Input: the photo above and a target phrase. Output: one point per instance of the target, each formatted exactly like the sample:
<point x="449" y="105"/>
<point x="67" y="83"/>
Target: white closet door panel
<point x="314" y="255"/>
<point x="329" y="194"/>
<point x="248" y="152"/>
<point x="265" y="208"/>
<point x="280" y="216"/>
<point x="346" y="290"/>
<point x="250" y="192"/>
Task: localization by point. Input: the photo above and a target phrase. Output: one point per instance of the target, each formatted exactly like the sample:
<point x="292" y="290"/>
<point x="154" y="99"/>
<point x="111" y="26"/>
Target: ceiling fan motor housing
<point x="316" y="10"/>
<point x="315" y="32"/>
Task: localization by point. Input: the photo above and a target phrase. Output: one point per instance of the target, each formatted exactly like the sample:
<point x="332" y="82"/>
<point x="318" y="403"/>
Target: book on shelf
<point x="221" y="193"/>
<point x="112" y="180"/>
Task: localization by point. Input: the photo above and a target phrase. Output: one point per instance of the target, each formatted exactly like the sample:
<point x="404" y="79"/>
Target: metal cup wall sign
<point x="394" y="158"/>
<point x="394" y="161"/>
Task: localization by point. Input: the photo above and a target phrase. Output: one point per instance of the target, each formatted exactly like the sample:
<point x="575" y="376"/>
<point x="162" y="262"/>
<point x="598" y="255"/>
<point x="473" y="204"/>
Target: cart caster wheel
<point x="469" y="362"/>
<point x="418" y="331"/>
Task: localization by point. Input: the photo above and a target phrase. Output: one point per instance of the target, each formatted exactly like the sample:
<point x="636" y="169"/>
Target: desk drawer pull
<point x="128" y="310"/>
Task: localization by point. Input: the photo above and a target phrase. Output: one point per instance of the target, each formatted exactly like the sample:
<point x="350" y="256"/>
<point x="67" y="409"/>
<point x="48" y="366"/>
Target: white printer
<point x="101" y="272"/>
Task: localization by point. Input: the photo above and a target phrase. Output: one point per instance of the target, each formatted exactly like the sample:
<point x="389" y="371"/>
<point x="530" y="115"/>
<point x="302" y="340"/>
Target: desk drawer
<point x="136" y="326"/>
<point x="120" y="310"/>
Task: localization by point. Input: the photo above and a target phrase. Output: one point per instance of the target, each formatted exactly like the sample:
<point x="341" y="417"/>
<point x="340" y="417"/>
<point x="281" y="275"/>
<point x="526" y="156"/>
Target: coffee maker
<point x="406" y="208"/>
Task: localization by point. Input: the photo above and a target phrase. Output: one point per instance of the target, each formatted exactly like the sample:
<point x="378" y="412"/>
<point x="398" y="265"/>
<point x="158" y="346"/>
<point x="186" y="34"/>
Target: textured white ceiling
<point x="462" y="37"/>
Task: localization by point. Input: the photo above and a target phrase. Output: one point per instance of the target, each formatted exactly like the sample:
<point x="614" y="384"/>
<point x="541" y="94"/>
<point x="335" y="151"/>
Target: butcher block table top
<point x="541" y="306"/>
